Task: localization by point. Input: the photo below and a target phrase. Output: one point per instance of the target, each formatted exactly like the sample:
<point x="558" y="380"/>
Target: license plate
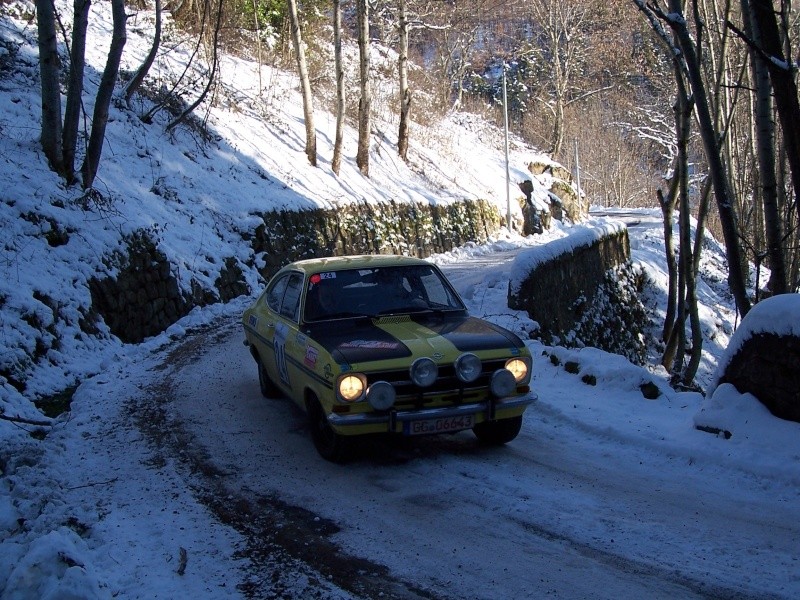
<point x="442" y="425"/>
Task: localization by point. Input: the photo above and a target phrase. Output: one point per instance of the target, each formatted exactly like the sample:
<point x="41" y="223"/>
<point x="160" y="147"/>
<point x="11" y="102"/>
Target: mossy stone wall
<point x="414" y="229"/>
<point x="557" y="291"/>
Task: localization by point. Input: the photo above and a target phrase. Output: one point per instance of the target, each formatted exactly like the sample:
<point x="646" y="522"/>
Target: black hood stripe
<point x="351" y="342"/>
<point x="470" y="334"/>
<point x="358" y="341"/>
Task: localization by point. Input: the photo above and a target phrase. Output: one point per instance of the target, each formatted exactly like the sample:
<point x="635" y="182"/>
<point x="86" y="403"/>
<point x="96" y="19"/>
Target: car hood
<point x="365" y="340"/>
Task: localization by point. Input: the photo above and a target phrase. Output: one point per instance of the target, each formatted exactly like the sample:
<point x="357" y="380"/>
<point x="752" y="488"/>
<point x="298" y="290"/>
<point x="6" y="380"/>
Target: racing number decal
<point x="279" y="344"/>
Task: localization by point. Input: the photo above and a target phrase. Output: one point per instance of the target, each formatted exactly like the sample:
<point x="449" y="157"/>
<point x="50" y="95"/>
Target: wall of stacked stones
<point x="144" y="297"/>
<point x="413" y="229"/>
<point x="556" y="291"/>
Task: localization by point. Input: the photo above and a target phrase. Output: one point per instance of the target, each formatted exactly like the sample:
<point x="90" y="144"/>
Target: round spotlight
<point x="502" y="383"/>
<point x="424" y="372"/>
<point x="468" y="367"/>
<point x="381" y="395"/>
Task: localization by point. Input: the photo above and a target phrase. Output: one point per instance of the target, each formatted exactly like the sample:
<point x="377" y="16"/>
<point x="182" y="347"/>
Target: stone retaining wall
<point x="556" y="282"/>
<point x="415" y="229"/>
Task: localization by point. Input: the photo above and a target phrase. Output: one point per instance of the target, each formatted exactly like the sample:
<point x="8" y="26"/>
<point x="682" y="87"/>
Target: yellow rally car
<point x="372" y="344"/>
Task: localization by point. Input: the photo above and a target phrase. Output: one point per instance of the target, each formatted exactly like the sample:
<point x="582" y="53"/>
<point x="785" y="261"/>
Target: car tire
<point x="268" y="387"/>
<point x="330" y="445"/>
<point x="499" y="432"/>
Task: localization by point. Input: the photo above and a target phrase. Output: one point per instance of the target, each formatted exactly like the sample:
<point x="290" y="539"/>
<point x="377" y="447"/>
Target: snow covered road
<point x="574" y="508"/>
<point x="172" y="477"/>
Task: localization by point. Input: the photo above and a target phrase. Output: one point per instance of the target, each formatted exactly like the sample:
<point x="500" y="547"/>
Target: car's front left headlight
<point x="351" y="387"/>
<point x="502" y="383"/>
<point x="520" y="369"/>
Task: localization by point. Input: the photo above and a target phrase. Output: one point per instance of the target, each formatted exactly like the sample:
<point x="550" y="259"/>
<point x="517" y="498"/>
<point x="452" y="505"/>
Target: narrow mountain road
<point x="444" y="517"/>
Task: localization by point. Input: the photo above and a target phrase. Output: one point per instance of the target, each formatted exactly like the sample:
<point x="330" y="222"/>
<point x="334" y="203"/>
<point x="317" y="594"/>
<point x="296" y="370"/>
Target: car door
<point x="285" y="331"/>
<point x="273" y="324"/>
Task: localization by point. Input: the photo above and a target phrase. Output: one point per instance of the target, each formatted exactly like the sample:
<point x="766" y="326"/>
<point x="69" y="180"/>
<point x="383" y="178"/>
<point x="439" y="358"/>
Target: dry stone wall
<point x="555" y="283"/>
<point x="414" y="229"/>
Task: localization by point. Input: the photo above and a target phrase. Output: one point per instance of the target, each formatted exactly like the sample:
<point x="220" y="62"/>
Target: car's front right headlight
<point x="468" y="367"/>
<point x="351" y="387"/>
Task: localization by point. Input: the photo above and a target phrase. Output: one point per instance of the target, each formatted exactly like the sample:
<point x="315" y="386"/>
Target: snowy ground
<point x="172" y="453"/>
<point x="170" y="477"/>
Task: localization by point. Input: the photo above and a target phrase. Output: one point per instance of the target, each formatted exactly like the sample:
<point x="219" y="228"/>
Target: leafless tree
<point x="563" y="47"/>
<point x="214" y="49"/>
<point x="340" y="96"/>
<point x="104" y="95"/>
<point x="59" y="140"/>
<point x="138" y="78"/>
<point x="782" y="75"/>
<point x="405" y="92"/>
<point x="689" y="52"/>
<point x="49" y="67"/>
<point x="305" y="85"/>
<point x="77" y="63"/>
<point x="365" y="102"/>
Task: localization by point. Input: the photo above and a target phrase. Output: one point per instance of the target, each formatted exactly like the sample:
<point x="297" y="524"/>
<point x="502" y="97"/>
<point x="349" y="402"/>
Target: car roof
<point x="338" y="263"/>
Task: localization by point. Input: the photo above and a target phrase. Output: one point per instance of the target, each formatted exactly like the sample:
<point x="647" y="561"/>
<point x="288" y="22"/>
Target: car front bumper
<point x="393" y="420"/>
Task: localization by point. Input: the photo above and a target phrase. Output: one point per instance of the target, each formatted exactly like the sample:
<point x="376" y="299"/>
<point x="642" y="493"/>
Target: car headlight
<point x="381" y="395"/>
<point x="502" y="383"/>
<point x="468" y="367"/>
<point x="351" y="387"/>
<point x="520" y="369"/>
<point x="424" y="372"/>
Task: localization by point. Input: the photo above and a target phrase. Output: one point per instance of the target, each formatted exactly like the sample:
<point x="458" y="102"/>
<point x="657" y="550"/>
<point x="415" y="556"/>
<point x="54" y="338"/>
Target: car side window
<point x="276" y="292"/>
<point x="290" y="308"/>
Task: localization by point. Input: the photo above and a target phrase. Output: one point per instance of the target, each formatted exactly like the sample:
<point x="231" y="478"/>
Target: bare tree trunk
<point x="689" y="288"/>
<point x="676" y="343"/>
<point x="365" y="102"/>
<point x="710" y="137"/>
<point x="340" y="100"/>
<point x="77" y="63"/>
<point x="702" y="214"/>
<point x="668" y="212"/>
<point x="104" y="94"/>
<point x="557" y="139"/>
<point x="405" y="93"/>
<point x="765" y="137"/>
<point x="148" y="116"/>
<point x="136" y="81"/>
<point x="49" y="66"/>
<point x="782" y="76"/>
<point x="305" y="85"/>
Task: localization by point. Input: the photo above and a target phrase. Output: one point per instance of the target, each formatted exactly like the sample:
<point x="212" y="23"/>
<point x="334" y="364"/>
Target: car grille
<point x="447" y="388"/>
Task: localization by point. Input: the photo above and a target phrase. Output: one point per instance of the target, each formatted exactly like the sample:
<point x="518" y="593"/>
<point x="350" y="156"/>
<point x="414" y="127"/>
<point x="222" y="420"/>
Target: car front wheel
<point x="330" y="445"/>
<point x="499" y="432"/>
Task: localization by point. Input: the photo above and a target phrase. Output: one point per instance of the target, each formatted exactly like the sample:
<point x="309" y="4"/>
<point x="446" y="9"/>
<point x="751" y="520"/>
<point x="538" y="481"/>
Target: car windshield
<point x="378" y="291"/>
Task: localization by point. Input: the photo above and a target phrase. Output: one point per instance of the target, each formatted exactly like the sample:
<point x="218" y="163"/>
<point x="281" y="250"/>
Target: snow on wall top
<point x="584" y="235"/>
